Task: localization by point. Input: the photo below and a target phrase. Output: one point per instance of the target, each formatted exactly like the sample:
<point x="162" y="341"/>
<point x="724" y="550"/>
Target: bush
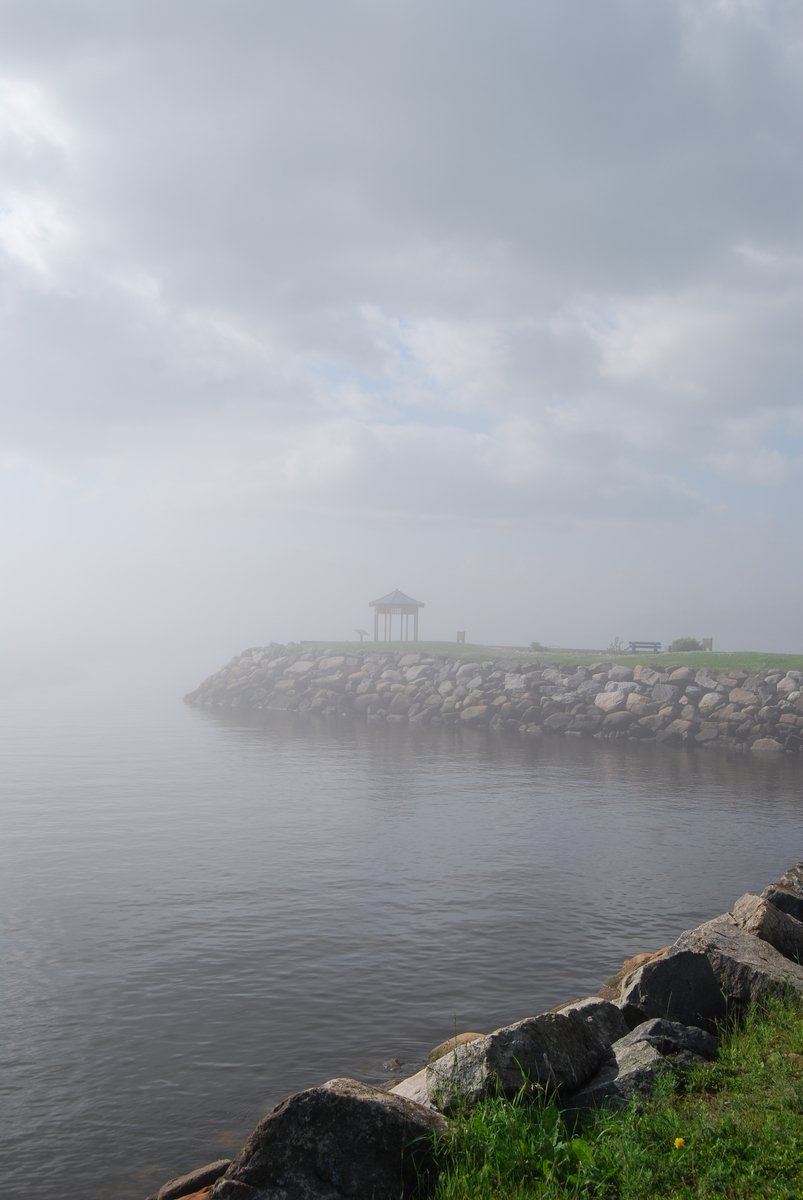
<point x="686" y="644"/>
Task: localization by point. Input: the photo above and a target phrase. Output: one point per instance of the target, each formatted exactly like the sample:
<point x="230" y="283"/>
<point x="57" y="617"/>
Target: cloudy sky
<point x="500" y="303"/>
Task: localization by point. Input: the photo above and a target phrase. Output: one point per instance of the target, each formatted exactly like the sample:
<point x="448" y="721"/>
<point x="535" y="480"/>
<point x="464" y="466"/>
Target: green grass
<point x="714" y="660"/>
<point x="740" y="1120"/>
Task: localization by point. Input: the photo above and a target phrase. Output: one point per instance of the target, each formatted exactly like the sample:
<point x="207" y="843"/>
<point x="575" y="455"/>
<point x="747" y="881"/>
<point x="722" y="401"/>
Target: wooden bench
<point x="654" y="647"/>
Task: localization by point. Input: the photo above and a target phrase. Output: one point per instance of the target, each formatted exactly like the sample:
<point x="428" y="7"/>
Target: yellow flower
<point x="680" y="1143"/>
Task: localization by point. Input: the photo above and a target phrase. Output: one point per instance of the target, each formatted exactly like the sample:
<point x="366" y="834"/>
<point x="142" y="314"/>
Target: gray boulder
<point x="746" y="968"/>
<point x="680" y="986"/>
<point x="757" y="915"/>
<point x="556" y="1049"/>
<point x="785" y="899"/>
<point x="341" y="1139"/>
<point x="605" y="1018"/>
<point x="671" y="1037"/>
<point x="631" y="1071"/>
<point x="640" y="1058"/>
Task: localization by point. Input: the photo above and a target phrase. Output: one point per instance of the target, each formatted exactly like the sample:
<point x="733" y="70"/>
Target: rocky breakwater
<point x="734" y="710"/>
<point x="659" y="1014"/>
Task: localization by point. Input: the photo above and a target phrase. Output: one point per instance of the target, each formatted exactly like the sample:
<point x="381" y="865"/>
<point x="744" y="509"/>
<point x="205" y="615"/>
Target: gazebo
<point x="390" y="606"/>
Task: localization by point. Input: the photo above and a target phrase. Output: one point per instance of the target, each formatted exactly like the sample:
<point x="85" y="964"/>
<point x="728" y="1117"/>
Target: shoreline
<point x="662" y="1012"/>
<point x="737" y="711"/>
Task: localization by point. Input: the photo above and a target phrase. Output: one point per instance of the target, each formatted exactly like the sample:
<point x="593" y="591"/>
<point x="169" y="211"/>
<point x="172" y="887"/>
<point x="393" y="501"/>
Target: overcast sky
<point x="499" y="303"/>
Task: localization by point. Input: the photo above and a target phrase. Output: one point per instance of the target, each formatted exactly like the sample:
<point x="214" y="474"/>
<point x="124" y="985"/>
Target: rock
<point x="640" y="1058"/>
<point x="619" y="674"/>
<point x="458" y="1039"/>
<point x="414" y="1088"/>
<point x="742" y="697"/>
<point x="680" y="986"/>
<point x="653" y="722"/>
<point x="647" y="676"/>
<point x="610" y="702"/>
<point x="615" y="721"/>
<point x="606" y="1019"/>
<point x="557" y="1049"/>
<point x="665" y="693"/>
<point x="670" y="1037"/>
<point x="784" y="898"/>
<point x="612" y="986"/>
<point x="341" y="1139"/>
<point x="766" y="746"/>
<point x="792" y="880"/>
<point x="745" y="967"/>
<point x="758" y="916"/>
<point x="676" y="731"/>
<point x="708" y="702"/>
<point x="301" y="667"/>
<point x="631" y="1071"/>
<point x="558" y="722"/>
<point x="194" y="1181"/>
<point x="468" y="671"/>
<point x="475" y="714"/>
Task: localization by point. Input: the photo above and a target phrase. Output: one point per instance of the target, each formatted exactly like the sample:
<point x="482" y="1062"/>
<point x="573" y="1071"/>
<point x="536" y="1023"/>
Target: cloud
<point x="288" y="271"/>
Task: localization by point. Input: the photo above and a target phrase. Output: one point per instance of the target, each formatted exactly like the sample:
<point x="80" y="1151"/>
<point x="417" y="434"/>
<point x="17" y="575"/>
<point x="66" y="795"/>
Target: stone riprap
<point x="346" y="1138"/>
<point x="759" y="713"/>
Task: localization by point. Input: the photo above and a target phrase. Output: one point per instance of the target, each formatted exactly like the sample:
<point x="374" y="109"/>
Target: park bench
<point x="635" y="647"/>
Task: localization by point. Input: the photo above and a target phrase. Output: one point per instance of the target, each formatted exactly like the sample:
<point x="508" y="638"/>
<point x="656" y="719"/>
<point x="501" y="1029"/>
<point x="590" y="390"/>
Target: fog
<point x="498" y="304"/>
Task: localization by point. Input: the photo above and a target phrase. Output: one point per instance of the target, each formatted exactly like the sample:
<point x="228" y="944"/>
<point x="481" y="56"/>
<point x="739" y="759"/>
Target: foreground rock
<point x="760" y="713"/>
<point x="681" y="986"/>
<point x="341" y="1139"/>
<point x="747" y="968"/>
<point x="559" y="1050"/>
<point x="639" y="1059"/>
<point x="760" y="916"/>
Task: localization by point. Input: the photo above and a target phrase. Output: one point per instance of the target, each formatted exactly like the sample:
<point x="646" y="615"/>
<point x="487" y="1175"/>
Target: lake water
<point x="198" y="916"/>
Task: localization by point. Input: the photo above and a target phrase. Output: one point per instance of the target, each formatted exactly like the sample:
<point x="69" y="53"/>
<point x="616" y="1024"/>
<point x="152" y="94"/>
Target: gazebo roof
<point x="395" y="598"/>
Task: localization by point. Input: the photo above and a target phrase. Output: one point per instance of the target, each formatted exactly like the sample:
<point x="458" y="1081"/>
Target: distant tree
<point x="361" y="633"/>
<point x="617" y="646"/>
<point x="686" y="643"/>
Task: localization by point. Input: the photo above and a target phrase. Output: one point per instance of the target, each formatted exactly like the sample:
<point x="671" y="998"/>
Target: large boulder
<point x="680" y="986"/>
<point x="759" y="916"/>
<point x="787" y="893"/>
<point x="341" y="1139"/>
<point x="632" y="1070"/>
<point x="606" y="1019"/>
<point x="639" y="1058"/>
<point x="746" y="968"/>
<point x="556" y="1049"/>
<point x="672" y="1037"/>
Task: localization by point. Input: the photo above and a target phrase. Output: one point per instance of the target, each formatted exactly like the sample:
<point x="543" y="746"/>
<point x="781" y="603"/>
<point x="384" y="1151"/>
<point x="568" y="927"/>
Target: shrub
<point x="686" y="643"/>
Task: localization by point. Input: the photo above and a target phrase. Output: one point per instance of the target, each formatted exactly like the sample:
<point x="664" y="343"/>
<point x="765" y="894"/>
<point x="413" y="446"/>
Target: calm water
<point x="198" y="917"/>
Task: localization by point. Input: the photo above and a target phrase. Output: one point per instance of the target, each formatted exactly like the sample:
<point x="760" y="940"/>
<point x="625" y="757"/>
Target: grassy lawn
<point x="740" y="660"/>
<point x="735" y="1132"/>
